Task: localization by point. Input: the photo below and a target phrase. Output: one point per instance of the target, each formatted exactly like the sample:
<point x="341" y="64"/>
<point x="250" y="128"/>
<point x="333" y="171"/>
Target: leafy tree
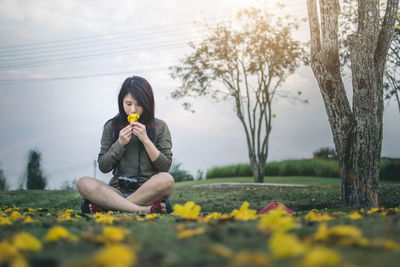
<point x="357" y="130"/>
<point x="3" y="180"/>
<point x="69" y="185"/>
<point x="325" y="153"/>
<point x="179" y="174"/>
<point x="244" y="62"/>
<point x="35" y="177"/>
<point x="348" y="25"/>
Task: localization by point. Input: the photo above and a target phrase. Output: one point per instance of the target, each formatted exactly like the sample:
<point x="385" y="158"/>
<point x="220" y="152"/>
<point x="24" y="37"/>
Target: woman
<point x="138" y="153"/>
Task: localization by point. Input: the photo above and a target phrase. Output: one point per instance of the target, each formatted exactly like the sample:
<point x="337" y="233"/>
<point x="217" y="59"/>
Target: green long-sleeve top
<point x="112" y="153"/>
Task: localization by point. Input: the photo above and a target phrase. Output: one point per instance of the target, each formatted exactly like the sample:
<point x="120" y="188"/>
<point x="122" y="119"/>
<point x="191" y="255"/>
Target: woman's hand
<point x="125" y="135"/>
<point x="139" y="130"/>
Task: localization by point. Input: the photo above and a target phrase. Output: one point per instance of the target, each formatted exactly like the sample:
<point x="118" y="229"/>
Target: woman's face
<point x="131" y="106"/>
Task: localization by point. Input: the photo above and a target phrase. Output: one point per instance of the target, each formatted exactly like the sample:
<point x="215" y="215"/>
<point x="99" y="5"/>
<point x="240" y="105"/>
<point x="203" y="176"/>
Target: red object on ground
<point x="273" y="205"/>
<point x="96" y="208"/>
<point x="156" y="207"/>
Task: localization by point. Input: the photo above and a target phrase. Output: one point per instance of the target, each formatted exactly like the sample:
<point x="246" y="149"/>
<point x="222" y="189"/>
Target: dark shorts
<point x="127" y="185"/>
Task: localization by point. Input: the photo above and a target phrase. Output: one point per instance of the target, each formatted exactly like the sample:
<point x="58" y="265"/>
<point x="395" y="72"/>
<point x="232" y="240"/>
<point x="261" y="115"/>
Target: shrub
<point x="390" y="169"/>
<point x="325" y="153"/>
<point x="179" y="174"/>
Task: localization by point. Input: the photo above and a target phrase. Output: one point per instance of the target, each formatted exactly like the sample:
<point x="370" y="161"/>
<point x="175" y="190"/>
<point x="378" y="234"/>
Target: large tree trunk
<point x="258" y="169"/>
<point x="357" y="133"/>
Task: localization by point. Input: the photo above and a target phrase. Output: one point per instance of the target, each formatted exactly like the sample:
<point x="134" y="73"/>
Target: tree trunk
<point x="257" y="169"/>
<point x="357" y="133"/>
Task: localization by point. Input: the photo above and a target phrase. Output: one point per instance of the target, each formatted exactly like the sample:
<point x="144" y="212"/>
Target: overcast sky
<point x="62" y="64"/>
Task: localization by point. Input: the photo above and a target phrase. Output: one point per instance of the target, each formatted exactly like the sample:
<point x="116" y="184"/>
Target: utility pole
<point x="94" y="168"/>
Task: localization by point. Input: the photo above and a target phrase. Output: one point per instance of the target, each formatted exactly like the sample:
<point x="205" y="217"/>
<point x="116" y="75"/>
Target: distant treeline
<point x="390" y="169"/>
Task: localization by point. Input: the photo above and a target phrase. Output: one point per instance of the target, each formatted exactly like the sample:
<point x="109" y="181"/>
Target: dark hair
<point x="141" y="90"/>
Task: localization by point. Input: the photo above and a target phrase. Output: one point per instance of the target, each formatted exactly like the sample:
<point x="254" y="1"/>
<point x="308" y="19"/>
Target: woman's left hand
<point x="139" y="130"/>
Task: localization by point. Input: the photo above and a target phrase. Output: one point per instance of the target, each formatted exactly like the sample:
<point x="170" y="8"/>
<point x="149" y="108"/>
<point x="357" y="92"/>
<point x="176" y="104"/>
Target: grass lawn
<point x="167" y="240"/>
<point x="303" y="180"/>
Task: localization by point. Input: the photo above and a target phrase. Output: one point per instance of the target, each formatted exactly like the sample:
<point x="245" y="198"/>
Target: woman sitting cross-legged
<point x="138" y="152"/>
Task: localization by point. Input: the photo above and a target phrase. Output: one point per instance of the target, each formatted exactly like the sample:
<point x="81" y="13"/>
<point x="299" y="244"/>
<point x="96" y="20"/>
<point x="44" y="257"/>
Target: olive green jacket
<point x="124" y="161"/>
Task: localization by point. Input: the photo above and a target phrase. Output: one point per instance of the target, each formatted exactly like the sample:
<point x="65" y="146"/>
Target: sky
<point x="62" y="64"/>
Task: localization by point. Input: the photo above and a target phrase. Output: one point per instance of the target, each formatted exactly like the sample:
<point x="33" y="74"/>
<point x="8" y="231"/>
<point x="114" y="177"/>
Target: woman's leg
<point x="158" y="186"/>
<point x="106" y="196"/>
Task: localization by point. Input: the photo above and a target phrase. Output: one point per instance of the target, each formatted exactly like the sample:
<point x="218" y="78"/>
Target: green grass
<point x="158" y="238"/>
<point x="303" y="180"/>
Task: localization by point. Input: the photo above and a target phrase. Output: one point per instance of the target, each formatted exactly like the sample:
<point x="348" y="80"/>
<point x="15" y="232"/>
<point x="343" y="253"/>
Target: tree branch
<point x="315" y="33"/>
<point x="386" y="34"/>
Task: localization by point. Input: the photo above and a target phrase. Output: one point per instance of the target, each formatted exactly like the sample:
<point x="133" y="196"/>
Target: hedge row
<point x="390" y="169"/>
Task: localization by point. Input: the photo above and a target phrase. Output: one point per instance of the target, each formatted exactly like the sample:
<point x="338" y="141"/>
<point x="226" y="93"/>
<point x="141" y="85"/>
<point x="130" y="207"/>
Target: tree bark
<point x="357" y="133"/>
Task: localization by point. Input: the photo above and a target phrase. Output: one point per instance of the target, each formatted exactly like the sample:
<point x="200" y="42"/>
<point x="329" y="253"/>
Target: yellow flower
<point x="30" y="220"/>
<point x="57" y="233"/>
<point x="220" y="250"/>
<point x="274" y="115"/>
<point x="4" y="221"/>
<point x="66" y="216"/>
<point x="133" y="117"/>
<point x="340" y="234"/>
<point x="276" y="220"/>
<point x="317" y="217"/>
<point x="191" y="232"/>
<point x="214" y="216"/>
<point x="26" y="241"/>
<point x="244" y="214"/>
<point x="151" y="216"/>
<point x="385" y="244"/>
<point x="373" y="210"/>
<point x="284" y="245"/>
<point x="250" y="258"/>
<point x="318" y="256"/>
<point x="113" y="255"/>
<point x="114" y="234"/>
<point x="189" y="211"/>
<point x="15" y="215"/>
<point x="10" y="254"/>
<point x="354" y="216"/>
<point x="106" y="219"/>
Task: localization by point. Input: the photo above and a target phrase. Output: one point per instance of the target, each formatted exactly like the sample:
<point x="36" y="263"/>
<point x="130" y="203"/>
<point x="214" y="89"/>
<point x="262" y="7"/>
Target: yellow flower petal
<point x="133" y="117"/>
<point x="188" y="211"/>
<point x="277" y="220"/>
<point x="318" y="256"/>
<point x="250" y="258"/>
<point x="30" y="220"/>
<point x="244" y="214"/>
<point x="57" y="233"/>
<point x="26" y="241"/>
<point x="284" y="245"/>
<point x="191" y="232"/>
<point x="4" y="221"/>
<point x="354" y="216"/>
<point x="114" y="255"/>
<point x="220" y="250"/>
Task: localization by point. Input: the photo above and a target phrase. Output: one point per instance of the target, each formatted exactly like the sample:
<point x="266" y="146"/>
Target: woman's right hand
<point x="125" y="135"/>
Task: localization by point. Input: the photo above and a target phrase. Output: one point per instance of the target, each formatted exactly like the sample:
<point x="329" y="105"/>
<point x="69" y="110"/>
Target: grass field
<point x="328" y="236"/>
<point x="303" y="180"/>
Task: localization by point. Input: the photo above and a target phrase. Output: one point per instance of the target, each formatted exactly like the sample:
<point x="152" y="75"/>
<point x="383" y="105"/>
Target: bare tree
<point x="357" y="130"/>
<point x="245" y="62"/>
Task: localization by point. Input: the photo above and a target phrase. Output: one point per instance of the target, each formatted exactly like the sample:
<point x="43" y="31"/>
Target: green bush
<point x="390" y="169"/>
<point x="304" y="167"/>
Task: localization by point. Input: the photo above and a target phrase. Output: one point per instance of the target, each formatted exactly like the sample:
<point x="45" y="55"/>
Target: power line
<point x="90" y="42"/>
<point x="147" y="30"/>
<point x="95" y="55"/>
<point x="30" y="80"/>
